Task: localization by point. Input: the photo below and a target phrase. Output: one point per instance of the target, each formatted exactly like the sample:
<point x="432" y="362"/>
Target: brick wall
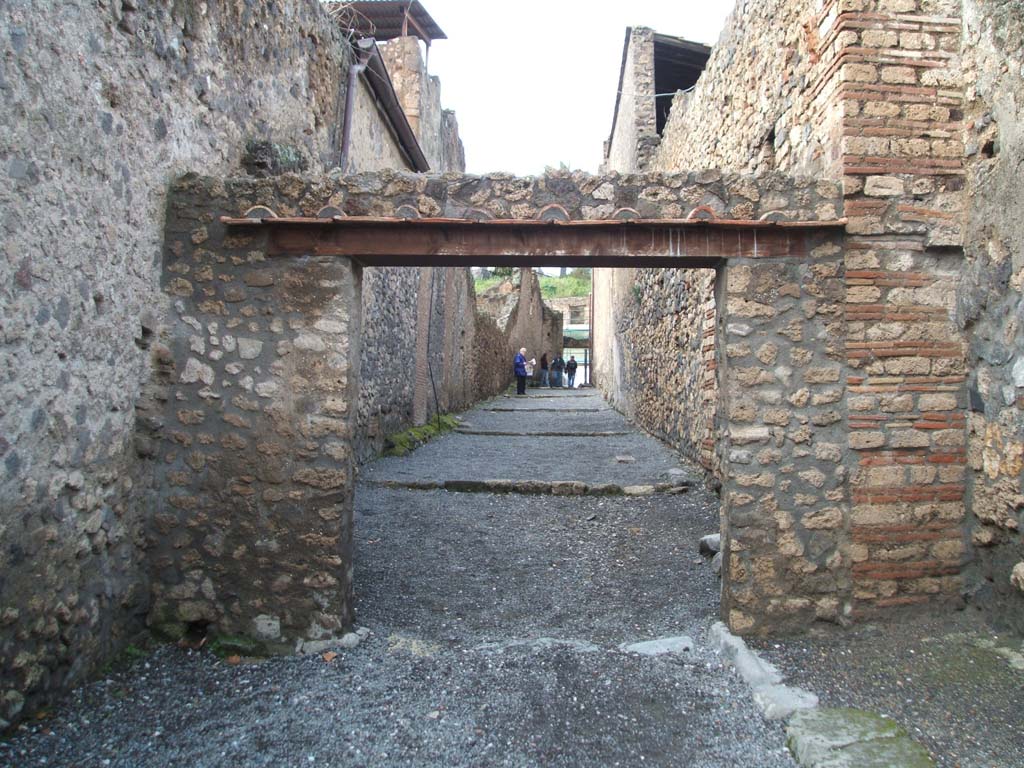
<point x="901" y="96"/>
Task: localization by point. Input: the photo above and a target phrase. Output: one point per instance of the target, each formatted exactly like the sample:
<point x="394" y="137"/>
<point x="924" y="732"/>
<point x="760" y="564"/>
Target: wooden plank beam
<point x="439" y="243"/>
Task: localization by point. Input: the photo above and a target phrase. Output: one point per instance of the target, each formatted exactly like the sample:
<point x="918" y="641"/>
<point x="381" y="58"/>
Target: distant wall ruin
<point x="525" y="320"/>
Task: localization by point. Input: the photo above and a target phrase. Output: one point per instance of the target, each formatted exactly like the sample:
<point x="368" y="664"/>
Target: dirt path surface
<point x="495" y="624"/>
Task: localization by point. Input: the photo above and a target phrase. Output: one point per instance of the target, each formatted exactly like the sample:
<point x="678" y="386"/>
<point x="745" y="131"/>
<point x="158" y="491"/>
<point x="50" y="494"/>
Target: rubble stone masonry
<point x="259" y="373"/>
<point x="249" y="414"/>
<point x="990" y="305"/>
<point x="103" y="103"/>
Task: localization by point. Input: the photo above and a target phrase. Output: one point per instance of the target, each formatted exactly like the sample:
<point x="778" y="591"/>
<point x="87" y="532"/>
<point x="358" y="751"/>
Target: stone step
<point x="535" y="487"/>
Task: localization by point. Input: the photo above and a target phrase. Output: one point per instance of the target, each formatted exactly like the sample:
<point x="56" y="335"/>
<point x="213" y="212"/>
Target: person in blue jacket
<point x="519" y="363"/>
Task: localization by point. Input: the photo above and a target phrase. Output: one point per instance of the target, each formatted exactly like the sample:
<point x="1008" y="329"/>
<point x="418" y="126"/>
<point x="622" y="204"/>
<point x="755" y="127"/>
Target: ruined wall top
<point x="420" y="96"/>
<point x="779" y="118"/>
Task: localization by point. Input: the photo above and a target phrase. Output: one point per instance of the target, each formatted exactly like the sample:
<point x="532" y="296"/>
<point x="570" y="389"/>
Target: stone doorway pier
<point x="256" y="529"/>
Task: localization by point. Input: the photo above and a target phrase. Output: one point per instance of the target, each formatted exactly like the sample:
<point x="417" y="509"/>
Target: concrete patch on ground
<point x="659" y="647"/>
<point x="1013" y="657"/>
<point x="412" y="645"/>
<point x="852" y="738"/>
<point x="539" y="644"/>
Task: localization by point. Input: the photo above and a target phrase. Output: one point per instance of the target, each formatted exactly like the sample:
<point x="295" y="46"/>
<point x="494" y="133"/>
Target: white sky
<point x="533" y="82"/>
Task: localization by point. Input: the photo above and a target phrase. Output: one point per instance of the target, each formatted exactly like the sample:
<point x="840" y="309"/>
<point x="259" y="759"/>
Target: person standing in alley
<point x="545" y="371"/>
<point x="570" y="370"/>
<point x="557" y="366"/>
<point x="519" y="365"/>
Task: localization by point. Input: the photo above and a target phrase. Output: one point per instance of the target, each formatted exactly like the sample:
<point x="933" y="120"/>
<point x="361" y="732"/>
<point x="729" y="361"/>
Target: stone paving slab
<point x="459" y="457"/>
<point x="568" y="423"/>
<point x="548" y="401"/>
<point x="852" y="738"/>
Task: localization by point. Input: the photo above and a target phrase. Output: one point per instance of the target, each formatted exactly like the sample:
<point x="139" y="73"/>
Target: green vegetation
<point x="482" y="284"/>
<point x="576" y="283"/>
<point x="127" y="656"/>
<point x="234" y="645"/>
<point x="403" y="443"/>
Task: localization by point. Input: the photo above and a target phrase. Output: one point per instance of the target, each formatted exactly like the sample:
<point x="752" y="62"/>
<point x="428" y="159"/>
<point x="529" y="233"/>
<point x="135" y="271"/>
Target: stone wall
<point x="991" y="306"/>
<point x="387" y="386"/>
<point x="770" y="80"/>
<point x="634" y="132"/>
<point x="665" y="331"/>
<point x="867" y="92"/>
<point x="252" y="530"/>
<point x="396" y="389"/>
<point x="251" y="410"/>
<point x="492" y="358"/>
<point x="420" y="96"/>
<point x="785" y="478"/>
<point x="103" y="104"/>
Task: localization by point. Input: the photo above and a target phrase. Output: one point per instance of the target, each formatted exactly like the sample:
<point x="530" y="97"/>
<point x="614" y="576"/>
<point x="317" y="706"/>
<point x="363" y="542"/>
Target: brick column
<point x="902" y="159"/>
<point x="260" y="359"/>
<point x="785" y="510"/>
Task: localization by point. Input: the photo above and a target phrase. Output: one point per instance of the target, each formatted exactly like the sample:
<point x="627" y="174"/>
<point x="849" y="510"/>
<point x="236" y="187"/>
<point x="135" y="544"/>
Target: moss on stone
<point x="235" y="645"/>
<point x="403" y="443"/>
<point x="169" y="630"/>
<point x="843" y="737"/>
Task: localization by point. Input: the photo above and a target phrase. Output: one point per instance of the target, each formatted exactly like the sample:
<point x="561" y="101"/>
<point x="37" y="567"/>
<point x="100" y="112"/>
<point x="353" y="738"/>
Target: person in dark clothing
<point x="544" y="370"/>
<point x="570" y="370"/>
<point x="557" y="366"/>
<point x="519" y="364"/>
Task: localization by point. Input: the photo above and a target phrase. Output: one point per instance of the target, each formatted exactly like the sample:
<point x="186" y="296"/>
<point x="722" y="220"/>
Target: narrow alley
<point x="493" y="624"/>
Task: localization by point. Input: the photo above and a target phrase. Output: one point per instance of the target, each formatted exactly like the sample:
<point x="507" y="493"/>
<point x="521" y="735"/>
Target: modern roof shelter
<point x="388" y="19"/>
<point x="678" y="63"/>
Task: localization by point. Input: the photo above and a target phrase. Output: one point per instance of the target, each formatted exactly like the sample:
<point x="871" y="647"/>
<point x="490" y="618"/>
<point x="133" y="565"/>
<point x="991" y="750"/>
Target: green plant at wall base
<point x="403" y="443"/>
<point x="232" y="645"/>
<point x="128" y="656"/>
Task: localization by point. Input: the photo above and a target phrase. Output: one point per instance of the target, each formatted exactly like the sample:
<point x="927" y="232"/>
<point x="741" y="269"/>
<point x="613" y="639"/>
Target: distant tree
<point x="503" y="271"/>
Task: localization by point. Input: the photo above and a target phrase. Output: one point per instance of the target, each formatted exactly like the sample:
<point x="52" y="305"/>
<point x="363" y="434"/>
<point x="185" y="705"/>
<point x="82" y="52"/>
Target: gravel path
<point x="494" y="622"/>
